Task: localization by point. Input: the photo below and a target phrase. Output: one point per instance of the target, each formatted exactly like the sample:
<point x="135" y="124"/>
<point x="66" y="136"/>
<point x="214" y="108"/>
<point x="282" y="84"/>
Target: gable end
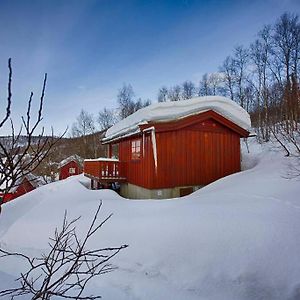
<point x="195" y="121"/>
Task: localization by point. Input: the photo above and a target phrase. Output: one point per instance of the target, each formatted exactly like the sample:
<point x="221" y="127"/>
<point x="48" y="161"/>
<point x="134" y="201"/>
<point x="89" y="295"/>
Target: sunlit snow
<point x="236" y="239"/>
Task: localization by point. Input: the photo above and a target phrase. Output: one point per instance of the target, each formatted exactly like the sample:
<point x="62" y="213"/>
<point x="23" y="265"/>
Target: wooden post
<point x="109" y="150"/>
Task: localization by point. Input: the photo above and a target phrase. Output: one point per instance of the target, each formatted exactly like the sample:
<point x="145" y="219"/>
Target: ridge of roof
<point x="166" y="111"/>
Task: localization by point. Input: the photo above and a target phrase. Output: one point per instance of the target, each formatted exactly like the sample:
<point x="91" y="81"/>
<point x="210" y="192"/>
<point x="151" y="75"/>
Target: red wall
<point x="64" y="170"/>
<point x="139" y="172"/>
<point x="195" y="153"/>
<point x="194" y="157"/>
<point x="22" y="189"/>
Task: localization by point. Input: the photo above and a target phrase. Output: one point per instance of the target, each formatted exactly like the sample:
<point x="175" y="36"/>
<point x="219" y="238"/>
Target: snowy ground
<point x="235" y="239"/>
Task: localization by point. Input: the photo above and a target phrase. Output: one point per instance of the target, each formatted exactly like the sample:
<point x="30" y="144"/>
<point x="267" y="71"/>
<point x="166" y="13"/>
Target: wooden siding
<point x="64" y="170"/>
<point x="138" y="171"/>
<point x="196" y="157"/>
<point x="196" y="153"/>
<point x="25" y="187"/>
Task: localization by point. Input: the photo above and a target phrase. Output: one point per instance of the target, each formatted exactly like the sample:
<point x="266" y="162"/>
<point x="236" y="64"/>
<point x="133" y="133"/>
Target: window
<point x="72" y="170"/>
<point x="136" y="149"/>
<point x="115" y="151"/>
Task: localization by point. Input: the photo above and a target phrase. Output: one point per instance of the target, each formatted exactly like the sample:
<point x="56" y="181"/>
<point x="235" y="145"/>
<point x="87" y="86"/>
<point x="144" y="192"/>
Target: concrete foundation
<point x="132" y="191"/>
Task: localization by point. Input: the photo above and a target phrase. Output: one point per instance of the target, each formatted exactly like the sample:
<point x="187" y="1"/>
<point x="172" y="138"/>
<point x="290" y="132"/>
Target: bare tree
<point x="286" y="50"/>
<point x="240" y="61"/>
<point x="215" y="82"/>
<point x="162" y="94"/>
<point x="286" y="42"/>
<point x="84" y="124"/>
<point x="67" y="268"/>
<point x="212" y="84"/>
<point x="126" y="101"/>
<point x="204" y="87"/>
<point x="260" y="52"/>
<point x="84" y="127"/>
<point x="141" y="103"/>
<point x="289" y="140"/>
<point x="23" y="151"/>
<point x="188" y="89"/>
<point x="106" y="118"/>
<point x="174" y="93"/>
<point x="228" y="70"/>
<point x="235" y="75"/>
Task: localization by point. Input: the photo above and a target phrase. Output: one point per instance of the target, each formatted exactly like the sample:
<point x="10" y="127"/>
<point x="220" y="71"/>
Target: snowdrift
<point x="236" y="239"/>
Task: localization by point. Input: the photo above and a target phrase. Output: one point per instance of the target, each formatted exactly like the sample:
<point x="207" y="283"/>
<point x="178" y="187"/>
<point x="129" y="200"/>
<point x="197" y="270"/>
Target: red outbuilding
<point x="171" y="149"/>
<point x="22" y="186"/>
<point x="70" y="166"/>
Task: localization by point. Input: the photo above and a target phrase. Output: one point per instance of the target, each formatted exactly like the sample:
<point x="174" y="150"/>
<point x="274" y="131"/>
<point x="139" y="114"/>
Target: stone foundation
<point x="132" y="191"/>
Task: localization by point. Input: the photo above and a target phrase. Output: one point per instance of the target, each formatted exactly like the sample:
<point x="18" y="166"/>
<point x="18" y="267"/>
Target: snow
<point x="166" y="111"/>
<point x="76" y="158"/>
<point x="34" y="180"/>
<point x="102" y="159"/>
<point x="235" y="239"/>
<point x="4" y="185"/>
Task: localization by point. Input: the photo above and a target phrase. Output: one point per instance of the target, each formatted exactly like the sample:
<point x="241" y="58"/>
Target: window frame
<point x="73" y="170"/>
<point x="136" y="149"/>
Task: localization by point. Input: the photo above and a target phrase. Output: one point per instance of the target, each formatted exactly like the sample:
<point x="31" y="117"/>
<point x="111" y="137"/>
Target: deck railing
<point x="103" y="169"/>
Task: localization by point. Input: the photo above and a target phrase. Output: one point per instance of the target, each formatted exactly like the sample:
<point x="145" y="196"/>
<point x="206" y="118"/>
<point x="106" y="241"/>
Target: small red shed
<point x="24" y="185"/>
<point x="171" y="149"/>
<point x="70" y="166"/>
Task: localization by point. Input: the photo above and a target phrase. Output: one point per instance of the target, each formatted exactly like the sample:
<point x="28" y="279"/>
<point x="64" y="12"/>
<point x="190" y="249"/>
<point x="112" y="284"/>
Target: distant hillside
<point x="7" y="140"/>
<point x="86" y="147"/>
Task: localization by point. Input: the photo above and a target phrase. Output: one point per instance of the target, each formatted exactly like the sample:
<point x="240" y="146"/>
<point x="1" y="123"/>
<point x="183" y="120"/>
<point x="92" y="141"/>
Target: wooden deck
<point x="104" y="170"/>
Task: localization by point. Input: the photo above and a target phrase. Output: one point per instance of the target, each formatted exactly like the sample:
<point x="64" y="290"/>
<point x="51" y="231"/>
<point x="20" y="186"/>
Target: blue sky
<point x="90" y="48"/>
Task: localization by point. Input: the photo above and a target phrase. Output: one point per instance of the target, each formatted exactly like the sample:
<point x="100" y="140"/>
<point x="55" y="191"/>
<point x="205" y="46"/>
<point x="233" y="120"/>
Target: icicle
<point x="153" y="139"/>
<point x="154" y="147"/>
<point x="143" y="144"/>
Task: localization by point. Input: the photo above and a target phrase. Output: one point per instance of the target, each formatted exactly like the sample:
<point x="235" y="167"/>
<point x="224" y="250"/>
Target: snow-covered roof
<point x="34" y="180"/>
<point x="167" y="111"/>
<point x="74" y="157"/>
<point x="102" y="159"/>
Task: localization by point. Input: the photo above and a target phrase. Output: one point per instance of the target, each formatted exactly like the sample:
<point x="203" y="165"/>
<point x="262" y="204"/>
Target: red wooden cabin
<point x="171" y="149"/>
<point x="22" y="186"/>
<point x="70" y="166"/>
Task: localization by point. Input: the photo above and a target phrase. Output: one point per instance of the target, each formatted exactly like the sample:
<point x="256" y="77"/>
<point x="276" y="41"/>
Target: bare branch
<point x="68" y="267"/>
<point x="9" y="94"/>
<point x="22" y="154"/>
